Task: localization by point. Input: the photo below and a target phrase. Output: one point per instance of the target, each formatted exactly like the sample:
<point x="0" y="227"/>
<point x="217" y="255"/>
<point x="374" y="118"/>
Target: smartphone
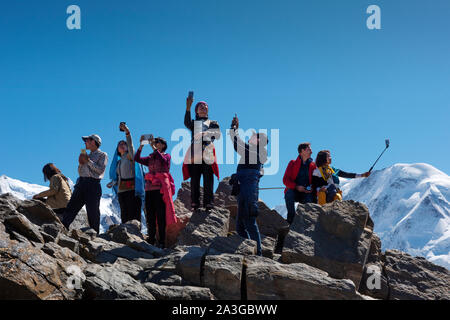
<point x="191" y="95"/>
<point x="120" y="126"/>
<point x="148" y="137"/>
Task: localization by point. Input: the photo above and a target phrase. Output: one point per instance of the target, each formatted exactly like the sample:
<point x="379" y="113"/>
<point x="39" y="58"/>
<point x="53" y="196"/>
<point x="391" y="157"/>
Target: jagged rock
<point x="162" y="278"/>
<point x="268" y="246"/>
<point x="131" y="268"/>
<point x="67" y="242"/>
<point x="204" y="226"/>
<point x="234" y="244"/>
<point x="144" y="246"/>
<point x="101" y="251"/>
<point x="222" y="274"/>
<point x="106" y="282"/>
<point x="53" y="229"/>
<point x="178" y="293"/>
<point x="415" y="278"/>
<point x="189" y="264"/>
<point x="269" y="280"/>
<point x="123" y="233"/>
<point x="28" y="273"/>
<point x="332" y="238"/>
<point x="270" y="222"/>
<point x="375" y="255"/>
<point x="374" y="282"/>
<point x="19" y="223"/>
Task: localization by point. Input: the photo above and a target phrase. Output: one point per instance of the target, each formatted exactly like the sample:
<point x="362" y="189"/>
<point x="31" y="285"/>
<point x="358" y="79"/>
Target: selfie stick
<point x="387" y="146"/>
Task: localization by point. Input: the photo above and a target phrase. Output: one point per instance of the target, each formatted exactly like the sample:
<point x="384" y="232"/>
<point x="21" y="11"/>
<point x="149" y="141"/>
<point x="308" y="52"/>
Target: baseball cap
<point x="94" y="137"/>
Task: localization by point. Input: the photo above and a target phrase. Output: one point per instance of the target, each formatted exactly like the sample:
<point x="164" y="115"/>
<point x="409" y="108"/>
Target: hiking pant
<point x="87" y="191"/>
<point x="196" y="171"/>
<point x="291" y="197"/>
<point x="155" y="208"/>
<point x="130" y="206"/>
<point x="246" y="225"/>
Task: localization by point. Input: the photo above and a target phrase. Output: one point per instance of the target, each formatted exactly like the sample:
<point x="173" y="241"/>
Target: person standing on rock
<point x="298" y="180"/>
<point x="87" y="190"/>
<point x="59" y="193"/>
<point x="200" y="158"/>
<point x="325" y="178"/>
<point x="127" y="179"/>
<point x="249" y="172"/>
<point x="159" y="190"/>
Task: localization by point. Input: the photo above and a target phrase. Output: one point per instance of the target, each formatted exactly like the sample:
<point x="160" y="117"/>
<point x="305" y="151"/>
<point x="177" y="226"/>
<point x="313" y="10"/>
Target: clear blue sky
<point x="310" y="68"/>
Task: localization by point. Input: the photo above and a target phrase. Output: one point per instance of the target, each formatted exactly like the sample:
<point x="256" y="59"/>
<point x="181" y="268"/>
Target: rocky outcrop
<point x="204" y="226"/>
<point x="415" y="278"/>
<point x="269" y="280"/>
<point x="328" y="253"/>
<point x="333" y="238"/>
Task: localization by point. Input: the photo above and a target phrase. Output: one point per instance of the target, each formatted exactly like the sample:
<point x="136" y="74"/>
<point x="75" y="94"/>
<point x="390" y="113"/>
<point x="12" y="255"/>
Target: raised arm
<point x="187" y="115"/>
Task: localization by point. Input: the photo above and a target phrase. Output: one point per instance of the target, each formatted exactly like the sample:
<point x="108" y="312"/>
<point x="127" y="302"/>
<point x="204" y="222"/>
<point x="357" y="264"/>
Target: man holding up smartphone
<point x="87" y="190"/>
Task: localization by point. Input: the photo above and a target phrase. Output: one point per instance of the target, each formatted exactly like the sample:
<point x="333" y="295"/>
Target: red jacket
<point x="292" y="171"/>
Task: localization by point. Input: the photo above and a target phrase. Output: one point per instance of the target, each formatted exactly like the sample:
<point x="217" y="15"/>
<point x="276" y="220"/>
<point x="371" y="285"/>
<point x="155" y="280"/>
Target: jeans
<point x="291" y="197"/>
<point x="246" y="225"/>
<point x="87" y="191"/>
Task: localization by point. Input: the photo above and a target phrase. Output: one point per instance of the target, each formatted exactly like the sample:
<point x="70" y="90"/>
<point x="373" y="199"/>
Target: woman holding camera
<point x="201" y="156"/>
<point x="127" y="179"/>
<point x="159" y="189"/>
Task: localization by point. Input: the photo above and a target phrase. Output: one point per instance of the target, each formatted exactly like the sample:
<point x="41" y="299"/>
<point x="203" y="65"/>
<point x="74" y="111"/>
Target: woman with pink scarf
<point x="159" y="190"/>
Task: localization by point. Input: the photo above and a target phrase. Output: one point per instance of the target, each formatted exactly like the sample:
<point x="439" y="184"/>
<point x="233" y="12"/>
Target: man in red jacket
<point x="298" y="180"/>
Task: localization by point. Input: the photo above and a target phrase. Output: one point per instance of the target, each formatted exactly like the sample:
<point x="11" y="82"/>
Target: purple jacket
<point x="156" y="162"/>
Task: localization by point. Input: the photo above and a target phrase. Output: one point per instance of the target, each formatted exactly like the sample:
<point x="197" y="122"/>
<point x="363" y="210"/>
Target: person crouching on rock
<point x="87" y="190"/>
<point x="249" y="172"/>
<point x="59" y="193"/>
<point x="326" y="178"/>
<point x="127" y="179"/>
<point x="298" y="180"/>
<point x="159" y="190"/>
<point x="200" y="158"/>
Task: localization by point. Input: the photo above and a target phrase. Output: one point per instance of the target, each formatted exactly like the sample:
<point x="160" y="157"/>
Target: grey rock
<point x="269" y="280"/>
<point x="67" y="242"/>
<point x="415" y="278"/>
<point x="107" y="283"/>
<point x="223" y="275"/>
<point x="204" y="226"/>
<point x="332" y="238"/>
<point x="234" y="244"/>
<point x="189" y="265"/>
<point x="19" y="223"/>
<point x="161" y="292"/>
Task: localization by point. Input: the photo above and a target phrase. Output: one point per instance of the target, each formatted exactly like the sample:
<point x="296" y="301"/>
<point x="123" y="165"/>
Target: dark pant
<point x="291" y="197"/>
<point x="155" y="208"/>
<point x="130" y="206"/>
<point x="196" y="171"/>
<point x="246" y="225"/>
<point x="87" y="191"/>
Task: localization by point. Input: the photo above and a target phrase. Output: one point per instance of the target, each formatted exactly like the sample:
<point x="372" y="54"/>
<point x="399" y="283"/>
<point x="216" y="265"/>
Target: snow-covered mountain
<point x="109" y="206"/>
<point x="410" y="206"/>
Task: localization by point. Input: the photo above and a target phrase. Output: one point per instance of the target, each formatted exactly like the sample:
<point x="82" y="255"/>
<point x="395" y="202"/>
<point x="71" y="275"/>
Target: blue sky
<point x="309" y="68"/>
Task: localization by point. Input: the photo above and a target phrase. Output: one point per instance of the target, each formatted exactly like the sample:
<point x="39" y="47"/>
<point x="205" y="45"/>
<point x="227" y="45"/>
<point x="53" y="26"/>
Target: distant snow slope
<point x="109" y="206"/>
<point x="410" y="205"/>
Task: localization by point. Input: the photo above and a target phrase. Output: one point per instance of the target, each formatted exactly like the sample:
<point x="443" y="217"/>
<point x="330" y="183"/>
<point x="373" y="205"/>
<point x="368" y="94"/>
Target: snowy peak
<point x="410" y="205"/>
